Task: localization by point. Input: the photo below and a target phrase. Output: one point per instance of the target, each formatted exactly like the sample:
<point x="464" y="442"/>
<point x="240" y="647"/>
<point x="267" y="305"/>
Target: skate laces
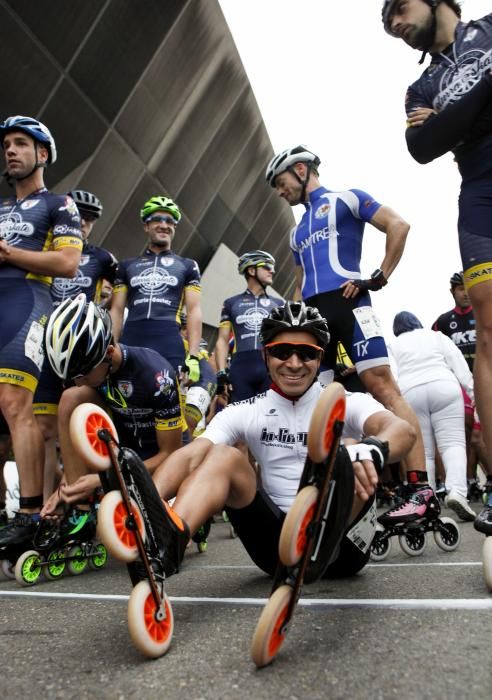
<point x="417" y="498"/>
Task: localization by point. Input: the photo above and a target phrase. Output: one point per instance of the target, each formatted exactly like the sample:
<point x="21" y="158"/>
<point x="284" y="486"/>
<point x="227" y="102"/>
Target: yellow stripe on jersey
<point x="67" y="242"/>
<point x="170" y="423"/>
<point x="18" y="378"/>
<point x="119" y="288"/>
<point x="478" y="273"/>
<point x="45" y="409"/>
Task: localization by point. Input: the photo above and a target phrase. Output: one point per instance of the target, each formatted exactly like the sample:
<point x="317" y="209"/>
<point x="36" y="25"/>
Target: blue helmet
<point x="33" y="128"/>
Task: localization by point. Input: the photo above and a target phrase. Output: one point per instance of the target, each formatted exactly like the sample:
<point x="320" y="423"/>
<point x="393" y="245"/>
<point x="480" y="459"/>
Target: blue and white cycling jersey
<point x="327" y="242"/>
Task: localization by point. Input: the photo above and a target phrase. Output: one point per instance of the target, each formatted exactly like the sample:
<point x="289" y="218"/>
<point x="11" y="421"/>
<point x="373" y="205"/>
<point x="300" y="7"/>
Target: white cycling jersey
<point x="275" y="429"/>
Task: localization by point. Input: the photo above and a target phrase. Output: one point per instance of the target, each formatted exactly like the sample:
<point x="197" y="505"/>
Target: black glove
<point x="376" y="282"/>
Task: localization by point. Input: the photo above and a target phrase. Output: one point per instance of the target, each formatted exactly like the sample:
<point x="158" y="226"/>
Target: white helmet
<point x="285" y="160"/>
<point x="77" y="337"/>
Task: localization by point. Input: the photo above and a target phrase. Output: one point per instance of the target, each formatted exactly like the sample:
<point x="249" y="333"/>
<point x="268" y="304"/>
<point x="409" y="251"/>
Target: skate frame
<point x="114" y="450"/>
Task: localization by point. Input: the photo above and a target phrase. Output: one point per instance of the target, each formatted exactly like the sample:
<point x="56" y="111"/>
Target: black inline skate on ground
<point x="314" y="525"/>
<point x="16" y="538"/>
<point x="135" y="525"/>
<point x="66" y="546"/>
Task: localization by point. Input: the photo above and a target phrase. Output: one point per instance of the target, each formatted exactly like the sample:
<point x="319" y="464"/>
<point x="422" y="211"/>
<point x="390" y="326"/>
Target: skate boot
<point x="3" y="518"/>
<point x="200" y="538"/>
<point x="419" y="504"/>
<point x="483" y="521"/>
<point x="410" y="521"/>
<point x="15" y="538"/>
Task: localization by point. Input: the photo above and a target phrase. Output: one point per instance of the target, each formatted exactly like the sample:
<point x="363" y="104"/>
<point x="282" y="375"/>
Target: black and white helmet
<point x="77" y="337"/>
<point x="254" y="258"/>
<point x="33" y="128"/>
<point x="87" y="203"/>
<point x="285" y="160"/>
<point x="295" y="316"/>
<point x="456" y="280"/>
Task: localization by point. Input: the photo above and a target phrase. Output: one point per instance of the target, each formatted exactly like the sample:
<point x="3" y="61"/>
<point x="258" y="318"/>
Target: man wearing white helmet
<point x="39" y="239"/>
<point x="96" y="265"/>
<point x="327" y="246"/>
<point x="242" y="316"/>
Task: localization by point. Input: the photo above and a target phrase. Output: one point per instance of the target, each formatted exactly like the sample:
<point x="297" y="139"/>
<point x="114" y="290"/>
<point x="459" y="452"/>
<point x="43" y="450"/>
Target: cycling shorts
<point x="258" y="527"/>
<point x="475" y="230"/>
<point x="23" y="316"/>
<point x="354" y="324"/>
<point x="162" y="336"/>
<point x="248" y="375"/>
<point x="48" y="392"/>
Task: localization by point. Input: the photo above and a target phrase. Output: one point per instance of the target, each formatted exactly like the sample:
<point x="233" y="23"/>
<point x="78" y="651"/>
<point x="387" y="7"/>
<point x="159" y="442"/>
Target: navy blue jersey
<point x="459" y="325"/>
<point x="243" y="315"/>
<point x="144" y="397"/>
<point x="327" y="242"/>
<point x="40" y="222"/>
<point x="95" y="265"/>
<point x="156" y="284"/>
<point x="450" y="76"/>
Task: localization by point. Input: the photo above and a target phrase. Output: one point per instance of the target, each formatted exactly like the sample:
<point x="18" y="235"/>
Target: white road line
<point x="399" y="603"/>
<point x="373" y="566"/>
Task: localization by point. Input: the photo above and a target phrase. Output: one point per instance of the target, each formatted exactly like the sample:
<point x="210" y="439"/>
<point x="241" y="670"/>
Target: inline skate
<point x="135" y="525"/>
<point x="314" y="525"/>
<point x="410" y="522"/>
<point x="64" y="547"/>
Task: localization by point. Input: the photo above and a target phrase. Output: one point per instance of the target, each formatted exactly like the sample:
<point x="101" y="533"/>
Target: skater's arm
<point x="168" y="441"/>
<point x="387" y="427"/>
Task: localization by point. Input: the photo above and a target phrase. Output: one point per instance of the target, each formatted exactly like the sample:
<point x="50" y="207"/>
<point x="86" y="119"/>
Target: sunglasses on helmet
<point x="161" y="218"/>
<point x="304" y="351"/>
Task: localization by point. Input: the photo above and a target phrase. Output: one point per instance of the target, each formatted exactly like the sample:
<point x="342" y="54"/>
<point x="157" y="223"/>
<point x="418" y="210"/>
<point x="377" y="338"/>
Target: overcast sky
<point x="325" y="74"/>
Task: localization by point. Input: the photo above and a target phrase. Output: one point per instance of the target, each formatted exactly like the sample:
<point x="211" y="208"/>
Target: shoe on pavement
<point x="455" y="501"/>
<point x="483" y="521"/>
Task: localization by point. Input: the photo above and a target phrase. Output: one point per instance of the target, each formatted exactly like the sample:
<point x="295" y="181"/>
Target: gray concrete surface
<point x="354" y="642"/>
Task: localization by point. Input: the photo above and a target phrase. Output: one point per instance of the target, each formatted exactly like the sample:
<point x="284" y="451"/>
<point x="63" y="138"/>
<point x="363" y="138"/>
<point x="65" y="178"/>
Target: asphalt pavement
<point x="409" y="627"/>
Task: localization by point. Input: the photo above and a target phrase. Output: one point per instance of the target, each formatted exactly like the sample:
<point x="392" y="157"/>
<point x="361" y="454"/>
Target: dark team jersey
<point x="40" y="222"/>
<point x="144" y="397"/>
<point x="95" y="265"/>
<point x="454" y="76"/>
<point x="459" y="325"/>
<point x="156" y="284"/>
<point x="243" y="315"/>
<point x="327" y="242"/>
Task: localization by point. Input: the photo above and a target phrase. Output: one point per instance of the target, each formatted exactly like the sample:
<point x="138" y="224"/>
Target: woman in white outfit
<point x="430" y="371"/>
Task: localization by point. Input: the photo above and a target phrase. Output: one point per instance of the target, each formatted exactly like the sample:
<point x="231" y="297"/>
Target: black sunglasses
<point x="304" y="351"/>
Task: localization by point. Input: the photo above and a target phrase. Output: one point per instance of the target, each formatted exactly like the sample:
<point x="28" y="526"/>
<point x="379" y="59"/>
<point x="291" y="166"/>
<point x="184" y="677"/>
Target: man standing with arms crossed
<point x="39" y="239"/>
<point x="449" y="108"/>
<point x="327" y="246"/>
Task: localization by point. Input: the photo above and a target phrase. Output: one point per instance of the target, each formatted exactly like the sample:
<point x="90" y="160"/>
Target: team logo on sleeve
<point x="125" y="387"/>
<point x="322" y="211"/>
<point x="164" y="383"/>
<point x="29" y="204"/>
<point x="71" y="208"/>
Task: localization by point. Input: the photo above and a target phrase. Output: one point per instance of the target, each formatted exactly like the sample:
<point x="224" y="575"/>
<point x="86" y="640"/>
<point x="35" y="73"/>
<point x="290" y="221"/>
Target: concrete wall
<point x="148" y="97"/>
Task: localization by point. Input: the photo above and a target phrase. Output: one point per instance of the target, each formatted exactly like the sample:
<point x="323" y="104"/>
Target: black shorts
<point x="354" y="324"/>
<point x="258" y="527"/>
